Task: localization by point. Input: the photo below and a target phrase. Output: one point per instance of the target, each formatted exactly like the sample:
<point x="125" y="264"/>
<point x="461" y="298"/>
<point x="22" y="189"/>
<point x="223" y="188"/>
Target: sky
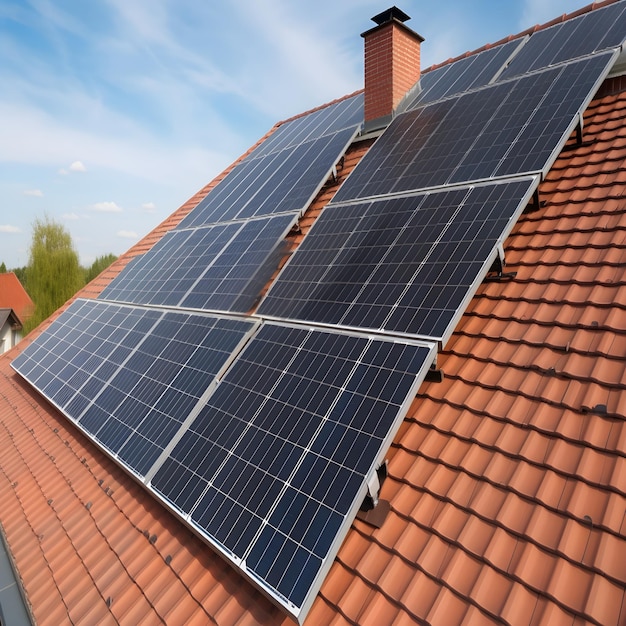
<point x="114" y="112"/>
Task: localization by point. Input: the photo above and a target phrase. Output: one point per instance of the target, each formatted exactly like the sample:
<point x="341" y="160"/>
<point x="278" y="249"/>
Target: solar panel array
<point x="262" y="432"/>
<point x="276" y="464"/>
<point x="277" y="182"/>
<point x="505" y="129"/>
<point x="220" y="267"/>
<point x="585" y="35"/>
<point x="128" y="376"/>
<point x="466" y="74"/>
<point x="403" y="264"/>
<point x="223" y="253"/>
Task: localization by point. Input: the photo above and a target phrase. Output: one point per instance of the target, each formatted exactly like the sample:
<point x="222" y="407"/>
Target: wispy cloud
<point x="106" y="207"/>
<point x="149" y="207"/>
<point x="7" y="228"/>
<point x="35" y="193"/>
<point x="70" y="217"/>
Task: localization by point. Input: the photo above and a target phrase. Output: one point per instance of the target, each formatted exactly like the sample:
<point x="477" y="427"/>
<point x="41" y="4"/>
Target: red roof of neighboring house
<point x="506" y="483"/>
<point x="14" y="296"/>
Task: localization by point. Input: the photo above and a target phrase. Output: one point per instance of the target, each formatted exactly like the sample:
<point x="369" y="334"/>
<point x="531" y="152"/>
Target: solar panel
<point x="502" y="130"/>
<point x="275" y="182"/>
<point x="277" y="462"/>
<point x="406" y="264"/>
<point x="591" y="32"/>
<point x="463" y="75"/>
<point x="220" y="267"/>
<point x="129" y="377"/>
<point x="327" y="120"/>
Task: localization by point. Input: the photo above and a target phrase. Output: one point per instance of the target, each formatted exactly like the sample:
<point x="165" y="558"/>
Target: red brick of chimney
<point x="392" y="63"/>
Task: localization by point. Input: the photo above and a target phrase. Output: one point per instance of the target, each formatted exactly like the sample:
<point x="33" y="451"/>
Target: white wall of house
<point x="8" y="337"/>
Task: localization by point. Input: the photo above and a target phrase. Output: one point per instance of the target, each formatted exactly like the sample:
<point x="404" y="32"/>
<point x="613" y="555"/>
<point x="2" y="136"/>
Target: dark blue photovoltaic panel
<point x="166" y="273"/>
<point x="78" y="353"/>
<point x="597" y="30"/>
<point x="502" y="130"/>
<point x="327" y="120"/>
<point x="129" y="377"/>
<point x="236" y="277"/>
<point x="276" y="182"/>
<point x="406" y="265"/>
<point x="463" y="75"/>
<point x="220" y="267"/>
<point x="277" y="462"/>
<point x="144" y="405"/>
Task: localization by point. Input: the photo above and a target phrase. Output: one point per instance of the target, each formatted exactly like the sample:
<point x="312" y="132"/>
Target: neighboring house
<point x="506" y="482"/>
<point x="10" y="330"/>
<point x="14" y="296"/>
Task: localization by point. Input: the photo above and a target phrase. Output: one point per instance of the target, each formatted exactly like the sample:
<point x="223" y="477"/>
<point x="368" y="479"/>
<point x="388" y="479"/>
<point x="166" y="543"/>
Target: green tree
<point x="3" y="268"/>
<point x="53" y="273"/>
<point x="98" y="266"/>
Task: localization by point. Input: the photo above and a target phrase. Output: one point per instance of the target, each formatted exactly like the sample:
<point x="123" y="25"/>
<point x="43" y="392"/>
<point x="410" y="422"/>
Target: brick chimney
<point x="392" y="64"/>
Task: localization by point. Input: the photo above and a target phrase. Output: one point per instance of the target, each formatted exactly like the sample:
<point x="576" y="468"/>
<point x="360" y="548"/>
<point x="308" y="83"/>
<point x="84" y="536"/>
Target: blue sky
<point x="114" y="112"/>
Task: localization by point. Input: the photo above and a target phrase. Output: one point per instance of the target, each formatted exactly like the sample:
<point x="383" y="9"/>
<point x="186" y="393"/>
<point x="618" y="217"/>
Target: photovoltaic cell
<point x="276" y="464"/>
<point x="219" y="267"/>
<point x="402" y="264"/>
<point x="597" y="30"/>
<point x="275" y="182"/>
<point x="129" y="377"/>
<point x="463" y="75"/>
<point x="505" y="129"/>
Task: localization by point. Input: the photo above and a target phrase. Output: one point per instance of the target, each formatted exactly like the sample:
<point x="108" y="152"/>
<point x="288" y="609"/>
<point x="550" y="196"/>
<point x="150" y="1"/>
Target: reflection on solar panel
<point x="504" y="129"/>
<point x="401" y="264"/>
<point x="222" y="267"/>
<point x="597" y="30"/>
<point x="463" y="75"/>
<point x="276" y="464"/>
<point x="129" y="377"/>
<point x="277" y="182"/>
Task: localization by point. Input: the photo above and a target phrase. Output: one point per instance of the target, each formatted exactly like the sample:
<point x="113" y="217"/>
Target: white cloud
<point x="7" y="228"/>
<point x="106" y="207"/>
<point x="70" y="217"/>
<point x="63" y="172"/>
<point x="77" y="166"/>
<point x="148" y="206"/>
<point x="127" y="234"/>
<point x="35" y="193"/>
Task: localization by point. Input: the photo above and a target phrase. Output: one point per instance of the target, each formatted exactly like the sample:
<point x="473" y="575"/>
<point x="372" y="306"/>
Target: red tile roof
<point x="14" y="296"/>
<point x="507" y="480"/>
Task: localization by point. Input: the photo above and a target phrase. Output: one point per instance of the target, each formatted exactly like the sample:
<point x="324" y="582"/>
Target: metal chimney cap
<point x="394" y="13"/>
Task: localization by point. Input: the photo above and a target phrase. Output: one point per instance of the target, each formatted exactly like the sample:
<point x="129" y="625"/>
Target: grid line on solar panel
<point x="279" y="181"/>
<point x="505" y="129"/>
<point x="404" y="264"/>
<point x="592" y="32"/>
<point x="277" y="462"/>
<point x="129" y="377"/>
<point x="463" y="75"/>
<point x="219" y="267"/>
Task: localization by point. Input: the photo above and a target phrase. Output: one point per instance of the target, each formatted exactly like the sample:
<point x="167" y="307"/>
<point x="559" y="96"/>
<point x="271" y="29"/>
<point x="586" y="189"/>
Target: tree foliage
<point x="3" y="268"/>
<point x="53" y="273"/>
<point x="98" y="266"/>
